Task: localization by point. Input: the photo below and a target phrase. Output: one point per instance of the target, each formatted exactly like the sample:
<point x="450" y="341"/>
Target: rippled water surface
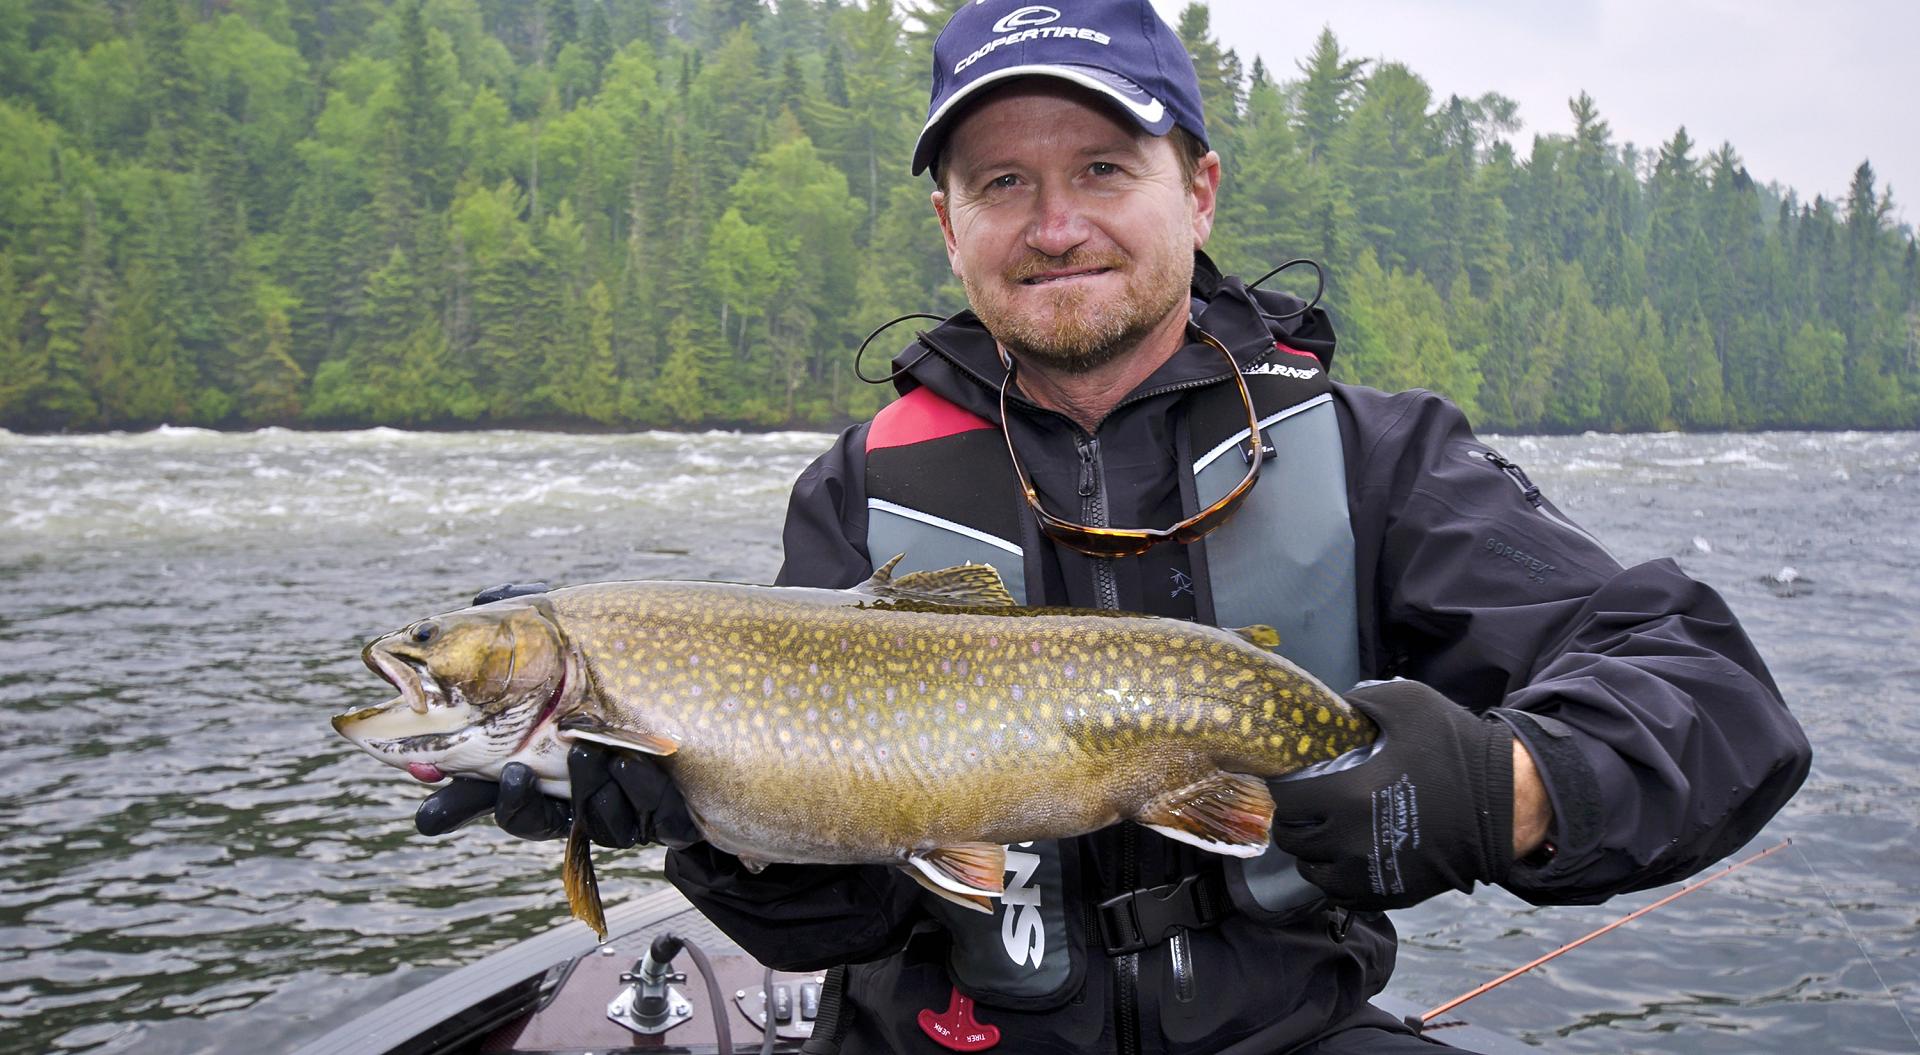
<point x="191" y="861"/>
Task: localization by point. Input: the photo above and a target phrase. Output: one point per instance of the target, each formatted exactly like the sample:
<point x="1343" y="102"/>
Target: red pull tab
<point x="957" y="1029"/>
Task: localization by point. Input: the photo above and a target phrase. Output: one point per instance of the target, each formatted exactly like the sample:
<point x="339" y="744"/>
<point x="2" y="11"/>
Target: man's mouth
<point x="1045" y="278"/>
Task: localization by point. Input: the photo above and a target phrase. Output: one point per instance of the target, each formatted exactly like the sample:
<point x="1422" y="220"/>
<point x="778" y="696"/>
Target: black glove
<point x="625" y="799"/>
<point x="1431" y="810"/>
<point x="516" y="803"/>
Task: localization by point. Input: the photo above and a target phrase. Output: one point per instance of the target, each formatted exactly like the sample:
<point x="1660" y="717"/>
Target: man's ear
<point x="946" y="230"/>
<point x="1206" y="192"/>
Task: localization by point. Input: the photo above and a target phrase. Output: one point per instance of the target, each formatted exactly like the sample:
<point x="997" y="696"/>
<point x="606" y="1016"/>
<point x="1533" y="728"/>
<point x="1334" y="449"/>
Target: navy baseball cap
<point x="1118" y="48"/>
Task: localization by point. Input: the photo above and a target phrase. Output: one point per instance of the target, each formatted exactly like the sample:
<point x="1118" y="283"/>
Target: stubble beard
<point x="1084" y="331"/>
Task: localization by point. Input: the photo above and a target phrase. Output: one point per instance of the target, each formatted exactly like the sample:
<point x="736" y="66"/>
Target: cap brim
<point x="1149" y="113"/>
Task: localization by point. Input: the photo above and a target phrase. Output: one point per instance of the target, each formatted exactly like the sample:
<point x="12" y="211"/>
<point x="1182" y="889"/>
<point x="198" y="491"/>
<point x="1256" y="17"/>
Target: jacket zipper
<point x="1093" y="512"/>
<point x="1126" y="968"/>
<point x="1531" y="492"/>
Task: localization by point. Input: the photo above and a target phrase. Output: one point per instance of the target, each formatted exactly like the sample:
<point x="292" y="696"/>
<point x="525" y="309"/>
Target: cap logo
<point x="1026" y="16"/>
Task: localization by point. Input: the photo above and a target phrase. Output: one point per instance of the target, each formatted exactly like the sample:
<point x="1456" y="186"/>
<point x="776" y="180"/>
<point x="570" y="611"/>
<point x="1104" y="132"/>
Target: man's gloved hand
<point x="624" y="799"/>
<point x="1431" y="810"/>
<point x="516" y="803"/>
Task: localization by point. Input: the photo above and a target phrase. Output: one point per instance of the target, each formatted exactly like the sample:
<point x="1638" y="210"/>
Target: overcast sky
<point x="1804" y="91"/>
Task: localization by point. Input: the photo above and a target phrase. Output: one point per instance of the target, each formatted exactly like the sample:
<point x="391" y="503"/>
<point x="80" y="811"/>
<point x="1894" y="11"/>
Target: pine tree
<point x="21" y="373"/>
<point x="1219" y="71"/>
<point x="170" y="92"/>
<point x="561" y="25"/>
<point x="147" y="378"/>
<point x="1327" y="94"/>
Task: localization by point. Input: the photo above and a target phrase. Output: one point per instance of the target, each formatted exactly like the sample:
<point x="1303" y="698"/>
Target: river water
<point x="191" y="861"/>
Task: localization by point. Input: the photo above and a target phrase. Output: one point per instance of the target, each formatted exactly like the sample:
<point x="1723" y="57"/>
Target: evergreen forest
<point x="688" y="213"/>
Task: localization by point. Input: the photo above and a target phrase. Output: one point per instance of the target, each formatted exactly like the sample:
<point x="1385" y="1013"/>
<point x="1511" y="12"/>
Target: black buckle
<point x="1144" y="918"/>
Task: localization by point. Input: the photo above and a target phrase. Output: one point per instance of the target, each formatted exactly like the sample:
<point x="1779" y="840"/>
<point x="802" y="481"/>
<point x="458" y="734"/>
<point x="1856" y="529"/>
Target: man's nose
<point x="1059" y="223"/>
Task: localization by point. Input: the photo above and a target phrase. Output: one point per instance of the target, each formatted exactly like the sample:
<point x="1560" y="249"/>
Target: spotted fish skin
<point x="926" y="721"/>
<point x="823" y="726"/>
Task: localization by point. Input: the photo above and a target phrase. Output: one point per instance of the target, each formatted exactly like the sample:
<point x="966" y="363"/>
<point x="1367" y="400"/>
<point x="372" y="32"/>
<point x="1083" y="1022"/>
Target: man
<point x="1564" y="727"/>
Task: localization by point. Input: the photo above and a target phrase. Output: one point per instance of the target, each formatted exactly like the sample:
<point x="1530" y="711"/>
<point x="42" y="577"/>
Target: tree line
<point x="618" y="213"/>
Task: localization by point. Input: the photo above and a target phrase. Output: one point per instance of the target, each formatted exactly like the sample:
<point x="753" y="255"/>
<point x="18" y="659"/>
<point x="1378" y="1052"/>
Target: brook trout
<point x="924" y="721"/>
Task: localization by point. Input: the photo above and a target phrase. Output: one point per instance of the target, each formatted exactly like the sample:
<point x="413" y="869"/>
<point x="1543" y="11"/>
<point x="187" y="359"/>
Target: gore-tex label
<point x="1396" y="827"/>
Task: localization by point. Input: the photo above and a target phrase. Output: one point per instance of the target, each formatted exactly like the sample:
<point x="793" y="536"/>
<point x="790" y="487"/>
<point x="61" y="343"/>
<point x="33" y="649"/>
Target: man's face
<point x="1072" y="230"/>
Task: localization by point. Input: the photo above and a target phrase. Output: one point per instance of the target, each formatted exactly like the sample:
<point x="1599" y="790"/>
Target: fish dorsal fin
<point x="882" y="577"/>
<point x="961" y="586"/>
<point x="1226" y="813"/>
<point x="1258" y="633"/>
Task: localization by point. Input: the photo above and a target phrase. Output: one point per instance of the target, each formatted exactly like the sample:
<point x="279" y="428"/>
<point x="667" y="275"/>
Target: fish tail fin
<point x="1226" y="813"/>
<point x="583" y="890"/>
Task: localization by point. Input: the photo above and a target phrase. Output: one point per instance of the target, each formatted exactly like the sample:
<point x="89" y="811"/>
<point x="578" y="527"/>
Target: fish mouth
<point x="434" y="733"/>
<point x="419" y="689"/>
<point x="416" y="729"/>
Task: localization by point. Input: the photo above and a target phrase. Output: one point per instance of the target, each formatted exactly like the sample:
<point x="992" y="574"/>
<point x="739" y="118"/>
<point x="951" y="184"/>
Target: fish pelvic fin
<point x="963" y="586"/>
<point x="593" y="727"/>
<point x="976" y="902"/>
<point x="1258" y="633"/>
<point x="1226" y="813"/>
<point x="971" y="870"/>
<point x="583" y="890"/>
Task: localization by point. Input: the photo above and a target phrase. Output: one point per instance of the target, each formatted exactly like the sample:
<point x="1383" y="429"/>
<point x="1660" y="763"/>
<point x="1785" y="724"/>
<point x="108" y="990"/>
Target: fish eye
<point x="425" y="632"/>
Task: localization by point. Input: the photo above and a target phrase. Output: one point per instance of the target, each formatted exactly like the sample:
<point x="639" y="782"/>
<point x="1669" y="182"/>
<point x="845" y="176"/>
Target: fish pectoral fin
<point x="753" y="865"/>
<point x="963" y="586"/>
<point x="1227" y="813"/>
<point x="969" y="869"/>
<point x="583" y="890"/>
<point x="976" y="902"/>
<point x="591" y="727"/>
<point x="1259" y="633"/>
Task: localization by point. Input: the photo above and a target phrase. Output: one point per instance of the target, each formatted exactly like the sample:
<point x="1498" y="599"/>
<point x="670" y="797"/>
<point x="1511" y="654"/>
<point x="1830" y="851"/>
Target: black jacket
<point x="1662" y="739"/>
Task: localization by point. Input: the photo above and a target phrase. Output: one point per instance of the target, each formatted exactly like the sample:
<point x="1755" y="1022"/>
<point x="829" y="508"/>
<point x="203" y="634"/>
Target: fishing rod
<point x="1576" y="943"/>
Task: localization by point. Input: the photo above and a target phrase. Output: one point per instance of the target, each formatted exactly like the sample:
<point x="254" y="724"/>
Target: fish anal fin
<point x="583" y="890"/>
<point x="753" y="865"/>
<point x="976" y="902"/>
<point x="969" y="869"/>
<point x="1226" y="813"/>
<point x="1258" y="633"/>
<point x="590" y="727"/>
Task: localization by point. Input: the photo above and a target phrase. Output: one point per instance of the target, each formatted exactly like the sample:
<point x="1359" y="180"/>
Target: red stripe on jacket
<point x="919" y="416"/>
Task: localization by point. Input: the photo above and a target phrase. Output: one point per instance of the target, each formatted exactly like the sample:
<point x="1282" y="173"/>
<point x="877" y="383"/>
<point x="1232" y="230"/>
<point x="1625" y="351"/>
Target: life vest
<point x="940" y="490"/>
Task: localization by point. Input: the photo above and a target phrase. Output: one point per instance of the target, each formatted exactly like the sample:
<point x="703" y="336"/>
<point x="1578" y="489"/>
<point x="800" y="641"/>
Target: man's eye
<point x="1003" y="182"/>
<point x="1103" y="168"/>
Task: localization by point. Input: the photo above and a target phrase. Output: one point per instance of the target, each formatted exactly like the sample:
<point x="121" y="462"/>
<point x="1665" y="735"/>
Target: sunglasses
<point x="1130" y="542"/>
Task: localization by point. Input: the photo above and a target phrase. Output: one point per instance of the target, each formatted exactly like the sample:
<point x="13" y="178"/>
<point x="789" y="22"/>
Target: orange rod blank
<point x="1576" y="943"/>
